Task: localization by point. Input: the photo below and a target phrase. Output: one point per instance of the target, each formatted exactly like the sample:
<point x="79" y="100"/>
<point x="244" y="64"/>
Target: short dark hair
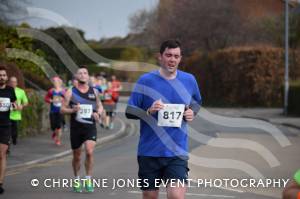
<point x="82" y="66"/>
<point x="172" y="43"/>
<point x="3" y="67"/>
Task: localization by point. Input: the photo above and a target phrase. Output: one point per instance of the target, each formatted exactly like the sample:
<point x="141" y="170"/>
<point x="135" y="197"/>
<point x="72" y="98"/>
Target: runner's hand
<point x="14" y="106"/>
<point x="156" y="106"/>
<point x="19" y="107"/>
<point x="96" y="117"/>
<point x="188" y="114"/>
<point x="76" y="108"/>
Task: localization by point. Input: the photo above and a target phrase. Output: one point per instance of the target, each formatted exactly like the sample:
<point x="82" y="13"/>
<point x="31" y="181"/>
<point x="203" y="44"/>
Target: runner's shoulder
<point x="185" y="74"/>
<point x="150" y="76"/>
<point x="187" y="77"/>
<point x="50" y="90"/>
<point x="147" y="76"/>
<point x="9" y="88"/>
<point x="20" y="90"/>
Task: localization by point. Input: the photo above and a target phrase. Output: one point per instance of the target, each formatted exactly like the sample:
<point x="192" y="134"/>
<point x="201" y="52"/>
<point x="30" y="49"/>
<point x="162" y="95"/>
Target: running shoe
<point x="111" y="126"/>
<point x="77" y="187"/>
<point x="88" y="185"/>
<point x="58" y="142"/>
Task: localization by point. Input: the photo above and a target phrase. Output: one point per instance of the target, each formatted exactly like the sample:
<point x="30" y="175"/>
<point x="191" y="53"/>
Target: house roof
<point x="293" y="3"/>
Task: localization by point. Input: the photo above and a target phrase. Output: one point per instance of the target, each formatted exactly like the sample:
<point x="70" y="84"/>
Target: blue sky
<point x="97" y="18"/>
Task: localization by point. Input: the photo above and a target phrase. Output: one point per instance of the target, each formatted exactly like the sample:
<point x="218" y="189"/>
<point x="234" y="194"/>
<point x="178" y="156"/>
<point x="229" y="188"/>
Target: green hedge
<point x="34" y="115"/>
<point x="242" y="76"/>
<point x="294" y="99"/>
<point x="111" y="53"/>
<point x="42" y="82"/>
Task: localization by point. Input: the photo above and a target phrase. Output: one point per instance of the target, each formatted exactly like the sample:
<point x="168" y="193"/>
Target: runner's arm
<point x="65" y="109"/>
<point x="23" y="101"/>
<point x="196" y="100"/>
<point x="48" y="96"/>
<point x="134" y="112"/>
<point x="13" y="99"/>
<point x="98" y="102"/>
<point x="120" y="87"/>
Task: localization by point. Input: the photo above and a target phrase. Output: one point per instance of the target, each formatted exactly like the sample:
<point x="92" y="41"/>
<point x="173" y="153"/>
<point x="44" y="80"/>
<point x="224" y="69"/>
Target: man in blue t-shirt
<point x="164" y="101"/>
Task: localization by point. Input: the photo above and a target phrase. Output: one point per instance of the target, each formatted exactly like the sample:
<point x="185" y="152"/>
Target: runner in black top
<point x="7" y="101"/>
<point x="83" y="103"/>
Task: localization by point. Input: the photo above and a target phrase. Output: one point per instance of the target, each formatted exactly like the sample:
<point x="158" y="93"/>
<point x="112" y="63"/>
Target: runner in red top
<point x="116" y="85"/>
<point x="109" y="104"/>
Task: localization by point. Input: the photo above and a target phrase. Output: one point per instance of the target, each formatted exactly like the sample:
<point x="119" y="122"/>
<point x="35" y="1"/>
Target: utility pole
<point x="286" y="71"/>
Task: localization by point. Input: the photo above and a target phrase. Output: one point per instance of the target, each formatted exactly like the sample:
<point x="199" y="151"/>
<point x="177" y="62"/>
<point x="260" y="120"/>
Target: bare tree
<point x="139" y="21"/>
<point x="199" y="24"/>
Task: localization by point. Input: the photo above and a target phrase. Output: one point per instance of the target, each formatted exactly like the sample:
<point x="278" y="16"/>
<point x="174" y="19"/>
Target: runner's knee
<point x="77" y="156"/>
<point x="3" y="154"/>
<point x="89" y="152"/>
<point x="150" y="194"/>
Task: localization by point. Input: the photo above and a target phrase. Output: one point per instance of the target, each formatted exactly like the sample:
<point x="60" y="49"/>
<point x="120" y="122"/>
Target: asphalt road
<point x="215" y="155"/>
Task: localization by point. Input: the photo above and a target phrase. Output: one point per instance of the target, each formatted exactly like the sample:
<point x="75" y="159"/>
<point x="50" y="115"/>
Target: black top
<point x="7" y="96"/>
<point x="88" y="98"/>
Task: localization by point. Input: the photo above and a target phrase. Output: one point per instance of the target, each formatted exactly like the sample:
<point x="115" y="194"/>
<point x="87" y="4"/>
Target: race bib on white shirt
<point x="4" y="104"/>
<point x="85" y="111"/>
<point x="171" y="115"/>
<point x="57" y="104"/>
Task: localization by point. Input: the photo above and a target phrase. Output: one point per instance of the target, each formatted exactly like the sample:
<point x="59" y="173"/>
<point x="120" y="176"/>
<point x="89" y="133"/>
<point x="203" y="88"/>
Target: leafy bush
<point x="245" y="76"/>
<point x="111" y="53"/>
<point x="41" y="81"/>
<point x="34" y="116"/>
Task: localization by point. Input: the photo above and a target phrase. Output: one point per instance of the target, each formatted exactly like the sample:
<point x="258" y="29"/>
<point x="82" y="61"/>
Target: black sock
<point x="1" y="188"/>
<point x="14" y="141"/>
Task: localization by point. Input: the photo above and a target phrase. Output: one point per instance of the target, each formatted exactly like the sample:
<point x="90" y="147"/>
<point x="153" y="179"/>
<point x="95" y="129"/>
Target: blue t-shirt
<point x="158" y="141"/>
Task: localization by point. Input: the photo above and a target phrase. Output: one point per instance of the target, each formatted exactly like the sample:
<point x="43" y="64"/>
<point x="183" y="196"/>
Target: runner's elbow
<point x="130" y="110"/>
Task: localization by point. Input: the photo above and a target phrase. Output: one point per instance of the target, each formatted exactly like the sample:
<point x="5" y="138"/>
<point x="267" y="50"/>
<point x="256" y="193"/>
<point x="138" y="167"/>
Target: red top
<point x="116" y="84"/>
<point x="110" y="96"/>
<point x="57" y="97"/>
<point x="51" y="93"/>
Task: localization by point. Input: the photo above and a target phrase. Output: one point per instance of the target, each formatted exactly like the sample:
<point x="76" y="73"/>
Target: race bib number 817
<point x="171" y="115"/>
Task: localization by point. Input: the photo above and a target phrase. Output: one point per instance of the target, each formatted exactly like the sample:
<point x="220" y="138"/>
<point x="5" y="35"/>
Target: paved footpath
<point x="272" y="115"/>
